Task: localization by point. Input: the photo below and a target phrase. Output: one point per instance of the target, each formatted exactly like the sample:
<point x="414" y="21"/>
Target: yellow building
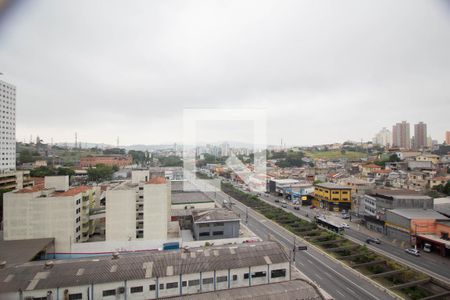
<point x="332" y="196"/>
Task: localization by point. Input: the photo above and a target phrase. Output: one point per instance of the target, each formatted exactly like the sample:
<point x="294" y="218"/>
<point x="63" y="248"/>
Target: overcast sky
<point x="326" y="71"/>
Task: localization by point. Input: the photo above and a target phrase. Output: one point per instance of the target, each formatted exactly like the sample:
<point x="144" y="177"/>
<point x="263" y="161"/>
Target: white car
<point x="412" y="251"/>
<point x="345" y="225"/>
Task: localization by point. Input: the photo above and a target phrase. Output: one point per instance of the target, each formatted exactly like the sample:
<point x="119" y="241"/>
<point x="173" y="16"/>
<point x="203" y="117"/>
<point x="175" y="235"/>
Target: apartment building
<point x="420" y="136"/>
<point x="54" y="211"/>
<point x="401" y="136"/>
<point x="7" y="127"/>
<point x="139" y="211"/>
<point x="150" y="275"/>
<point x="332" y="196"/>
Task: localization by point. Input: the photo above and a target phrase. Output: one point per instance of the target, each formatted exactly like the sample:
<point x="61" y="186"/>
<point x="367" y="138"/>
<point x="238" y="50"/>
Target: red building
<point x="110" y="160"/>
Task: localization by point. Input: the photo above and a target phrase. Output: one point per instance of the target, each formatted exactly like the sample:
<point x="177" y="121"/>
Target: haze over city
<point x="325" y="71"/>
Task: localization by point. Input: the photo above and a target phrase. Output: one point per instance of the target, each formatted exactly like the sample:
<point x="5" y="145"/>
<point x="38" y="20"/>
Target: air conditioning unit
<point x="120" y="290"/>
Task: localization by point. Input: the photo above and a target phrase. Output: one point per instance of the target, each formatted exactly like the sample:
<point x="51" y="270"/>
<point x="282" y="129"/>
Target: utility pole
<point x="294" y="250"/>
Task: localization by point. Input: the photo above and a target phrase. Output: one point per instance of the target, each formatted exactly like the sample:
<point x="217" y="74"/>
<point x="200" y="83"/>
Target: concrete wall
<point x="28" y="217"/>
<point x="156" y="211"/>
<point x="120" y="215"/>
<point x="229" y="229"/>
<point x="139" y="176"/>
<point x="59" y="183"/>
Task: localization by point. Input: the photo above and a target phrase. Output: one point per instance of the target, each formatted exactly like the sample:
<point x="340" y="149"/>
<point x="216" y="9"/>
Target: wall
<point x="230" y="229"/>
<point x="120" y="215"/>
<point x="156" y="210"/>
<point x="139" y="176"/>
<point x="28" y="217"/>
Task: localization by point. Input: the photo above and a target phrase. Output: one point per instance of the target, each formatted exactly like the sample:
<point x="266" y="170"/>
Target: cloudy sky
<point x="326" y="71"/>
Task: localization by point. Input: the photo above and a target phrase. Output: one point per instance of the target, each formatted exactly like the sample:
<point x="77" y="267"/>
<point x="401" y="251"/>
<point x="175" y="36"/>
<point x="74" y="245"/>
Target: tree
<point x="119" y="151"/>
<point x="100" y="173"/>
<point x="42" y="172"/>
<point x="445" y="189"/>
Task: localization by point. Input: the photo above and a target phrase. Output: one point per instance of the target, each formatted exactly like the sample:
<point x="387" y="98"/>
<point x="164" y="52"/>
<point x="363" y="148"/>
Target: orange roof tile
<point x="372" y="166"/>
<point x="31" y="189"/>
<point x="157" y="180"/>
<point x="74" y="191"/>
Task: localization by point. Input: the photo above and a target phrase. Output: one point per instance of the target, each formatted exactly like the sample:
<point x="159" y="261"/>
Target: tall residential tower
<point x="401" y="136"/>
<point x="8" y="126"/>
<point x="420" y="136"/>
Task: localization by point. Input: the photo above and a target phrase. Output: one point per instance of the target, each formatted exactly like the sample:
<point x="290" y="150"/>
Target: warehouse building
<point x="149" y="275"/>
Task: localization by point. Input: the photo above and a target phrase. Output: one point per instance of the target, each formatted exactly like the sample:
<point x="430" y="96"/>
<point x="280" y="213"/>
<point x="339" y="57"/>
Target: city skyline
<point x="134" y="80"/>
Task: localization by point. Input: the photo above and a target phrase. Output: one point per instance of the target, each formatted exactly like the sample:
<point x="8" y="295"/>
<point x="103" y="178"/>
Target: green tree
<point x="42" y="172"/>
<point x="100" y="173"/>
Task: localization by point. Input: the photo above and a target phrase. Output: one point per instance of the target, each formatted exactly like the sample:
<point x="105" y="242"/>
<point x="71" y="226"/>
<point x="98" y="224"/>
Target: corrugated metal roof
<point x="66" y="273"/>
<point x="21" y="251"/>
<point x="286" y="290"/>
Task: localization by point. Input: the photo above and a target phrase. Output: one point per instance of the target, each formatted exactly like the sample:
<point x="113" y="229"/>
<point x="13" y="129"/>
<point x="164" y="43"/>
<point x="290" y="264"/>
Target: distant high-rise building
<point x="420" y="136"/>
<point x="383" y="137"/>
<point x="447" y="137"/>
<point x="8" y="132"/>
<point x="401" y="136"/>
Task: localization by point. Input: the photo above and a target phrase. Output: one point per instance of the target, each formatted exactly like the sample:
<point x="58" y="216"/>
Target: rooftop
<point x="190" y="198"/>
<point x="21" y="251"/>
<point x="73" y="191"/>
<point x="328" y="185"/>
<point x="417" y="213"/>
<point x="214" y="215"/>
<point x="286" y="290"/>
<point x="136" y="266"/>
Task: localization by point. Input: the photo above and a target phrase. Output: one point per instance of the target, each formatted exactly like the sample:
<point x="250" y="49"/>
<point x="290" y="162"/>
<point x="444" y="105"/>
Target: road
<point x="330" y="275"/>
<point x="428" y="263"/>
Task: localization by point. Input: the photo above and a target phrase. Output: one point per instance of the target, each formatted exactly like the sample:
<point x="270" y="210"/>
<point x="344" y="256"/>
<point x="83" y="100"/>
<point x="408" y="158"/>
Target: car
<point x="413" y="251"/>
<point x="312" y="207"/>
<point x="284" y="205"/>
<point x="277" y="200"/>
<point x="296" y="207"/>
<point x="345" y="225"/>
<point x="345" y="216"/>
<point x="373" y="240"/>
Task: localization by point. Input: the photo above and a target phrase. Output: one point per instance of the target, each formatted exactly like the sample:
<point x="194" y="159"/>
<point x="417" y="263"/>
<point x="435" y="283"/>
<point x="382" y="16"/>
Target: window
<point x="152" y="287"/>
<point x="76" y="296"/>
<point x="203" y="225"/>
<point x="246" y="276"/>
<point x="184" y="283"/>
<point x="172" y="285"/>
<point x="222" y="279"/>
<point x="204" y="234"/>
<point x="208" y="280"/>
<point x="278" y="273"/>
<point x="161" y="286"/>
<point x="217" y="232"/>
<point x="234" y="277"/>
<point x="194" y="282"/>
<point x="109" y="293"/>
<point x="136" y="289"/>
<point x="218" y="224"/>
<point x="259" y="274"/>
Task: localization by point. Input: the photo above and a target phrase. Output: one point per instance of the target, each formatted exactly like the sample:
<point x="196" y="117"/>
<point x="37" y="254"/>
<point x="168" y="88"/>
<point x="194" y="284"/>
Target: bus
<point x="330" y="225"/>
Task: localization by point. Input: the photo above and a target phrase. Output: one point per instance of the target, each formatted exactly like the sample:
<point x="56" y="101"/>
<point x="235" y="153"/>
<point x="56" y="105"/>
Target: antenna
<point x="76" y="139"/>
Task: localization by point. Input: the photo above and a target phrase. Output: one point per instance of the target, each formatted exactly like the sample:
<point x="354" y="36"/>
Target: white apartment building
<point x="7" y="126"/>
<point x="139" y="211"/>
<point x="55" y="211"/>
<point x="383" y="138"/>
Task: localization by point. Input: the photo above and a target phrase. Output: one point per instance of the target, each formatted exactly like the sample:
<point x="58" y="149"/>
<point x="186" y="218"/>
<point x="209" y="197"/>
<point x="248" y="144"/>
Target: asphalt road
<point x="429" y="263"/>
<point x="332" y="277"/>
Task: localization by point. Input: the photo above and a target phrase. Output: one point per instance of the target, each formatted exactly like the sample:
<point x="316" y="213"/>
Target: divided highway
<point x="430" y="264"/>
<point x="331" y="276"/>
